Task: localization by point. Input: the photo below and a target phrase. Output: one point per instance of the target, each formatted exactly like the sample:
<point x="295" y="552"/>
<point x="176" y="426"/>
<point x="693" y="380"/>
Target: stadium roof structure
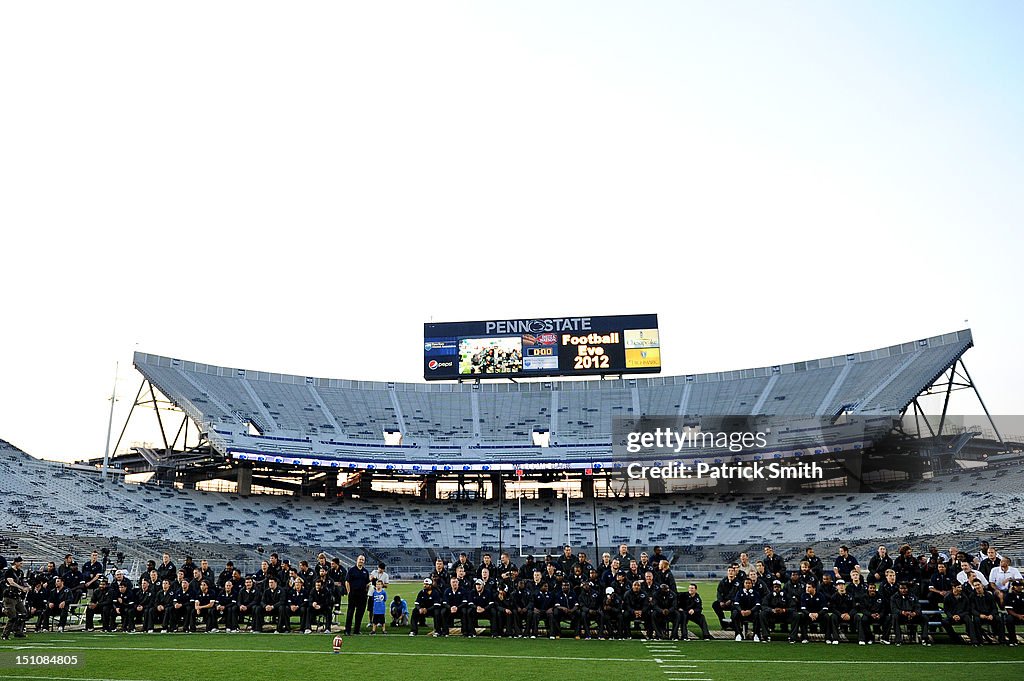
<point x="423" y="428"/>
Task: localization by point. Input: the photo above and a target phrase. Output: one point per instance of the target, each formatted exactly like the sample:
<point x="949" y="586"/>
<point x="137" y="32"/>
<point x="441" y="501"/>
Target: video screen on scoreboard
<point x="490" y="356"/>
<point x="549" y="346"/>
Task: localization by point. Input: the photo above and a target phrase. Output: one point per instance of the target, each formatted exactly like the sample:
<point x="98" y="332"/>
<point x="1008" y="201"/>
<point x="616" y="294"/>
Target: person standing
<point x="665" y="576"/>
<point x="844" y="564"/>
<point x="166" y="569"/>
<point x="380" y="574"/>
<point x="773" y="564"/>
<point x="813" y="562"/>
<point x="14" y="590"/>
<point x="567" y="560"/>
<point x="92" y="572"/>
<point x="357" y="583"/>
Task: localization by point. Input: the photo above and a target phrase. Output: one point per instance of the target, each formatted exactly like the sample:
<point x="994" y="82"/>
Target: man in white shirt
<point x="745" y="565"/>
<point x="968" y="574"/>
<point x="376" y="575"/>
<point x="380" y="574"/>
<point x="1002" y="577"/>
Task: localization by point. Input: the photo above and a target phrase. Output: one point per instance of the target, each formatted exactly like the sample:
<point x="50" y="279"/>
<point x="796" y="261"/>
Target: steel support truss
<point x="956" y="377"/>
<point x="146" y="397"/>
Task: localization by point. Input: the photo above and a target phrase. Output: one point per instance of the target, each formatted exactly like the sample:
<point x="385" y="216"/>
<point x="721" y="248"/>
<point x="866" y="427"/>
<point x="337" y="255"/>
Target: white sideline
<point x="64" y="678"/>
<point x="170" y="649"/>
<point x="568" y="658"/>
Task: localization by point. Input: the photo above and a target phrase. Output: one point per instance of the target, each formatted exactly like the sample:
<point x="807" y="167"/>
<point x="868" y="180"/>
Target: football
<point x="337" y="644"/>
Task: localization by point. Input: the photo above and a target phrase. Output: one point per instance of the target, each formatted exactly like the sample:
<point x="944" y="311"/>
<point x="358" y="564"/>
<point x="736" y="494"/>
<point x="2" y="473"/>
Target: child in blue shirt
<point x="380" y="608"/>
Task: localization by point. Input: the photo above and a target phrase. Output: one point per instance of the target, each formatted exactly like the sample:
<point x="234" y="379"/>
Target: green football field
<point x="211" y="657"/>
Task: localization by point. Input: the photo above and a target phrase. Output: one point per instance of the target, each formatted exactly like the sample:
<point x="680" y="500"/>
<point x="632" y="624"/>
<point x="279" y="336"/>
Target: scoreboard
<point x="549" y="346"/>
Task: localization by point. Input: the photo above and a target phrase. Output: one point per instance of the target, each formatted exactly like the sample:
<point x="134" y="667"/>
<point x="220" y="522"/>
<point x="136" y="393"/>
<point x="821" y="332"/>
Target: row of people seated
<point x="187" y="606"/>
<point x="559" y="607"/>
<point x="51" y="599"/>
<point x="865" y="610"/>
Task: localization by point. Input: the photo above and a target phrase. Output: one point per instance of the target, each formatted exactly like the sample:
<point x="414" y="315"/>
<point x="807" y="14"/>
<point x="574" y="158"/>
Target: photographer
<point x="14" y="591"/>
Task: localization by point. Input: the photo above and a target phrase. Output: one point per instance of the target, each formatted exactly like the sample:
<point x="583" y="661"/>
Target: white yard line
<point x="532" y="658"/>
<point x="65" y="678"/>
<point x="257" y="651"/>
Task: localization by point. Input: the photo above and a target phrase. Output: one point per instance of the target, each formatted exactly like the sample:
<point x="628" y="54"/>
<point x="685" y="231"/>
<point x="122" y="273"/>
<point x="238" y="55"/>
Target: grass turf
<point x="212" y="657"/>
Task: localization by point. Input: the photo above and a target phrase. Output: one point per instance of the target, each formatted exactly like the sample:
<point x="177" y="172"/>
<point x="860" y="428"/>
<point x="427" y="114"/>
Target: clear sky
<point x="299" y="186"/>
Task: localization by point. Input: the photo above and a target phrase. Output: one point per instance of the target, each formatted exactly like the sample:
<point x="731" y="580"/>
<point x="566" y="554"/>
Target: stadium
<point x="670" y="340"/>
<point x="419" y="476"/>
